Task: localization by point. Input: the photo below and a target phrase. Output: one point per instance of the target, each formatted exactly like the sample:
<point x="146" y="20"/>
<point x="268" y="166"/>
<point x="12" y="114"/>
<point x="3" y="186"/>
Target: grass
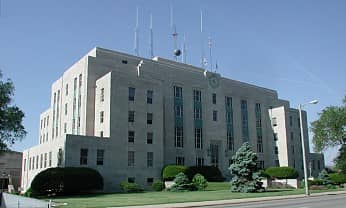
<point x="215" y="191"/>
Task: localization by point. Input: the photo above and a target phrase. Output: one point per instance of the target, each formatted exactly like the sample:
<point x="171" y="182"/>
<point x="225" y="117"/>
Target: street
<point x="334" y="201"/>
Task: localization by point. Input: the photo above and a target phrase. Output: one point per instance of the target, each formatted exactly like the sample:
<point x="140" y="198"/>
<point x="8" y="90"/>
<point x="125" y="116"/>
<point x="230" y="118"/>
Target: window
<point x="149" y="118"/>
<point x="291" y="121"/>
<point x="44" y="123"/>
<point x="65" y="127"/>
<point x="150" y="159"/>
<point x="260" y="164"/>
<point x="199" y="161"/>
<point x="131" y="136"/>
<point x="124" y="61"/>
<point x="275" y="137"/>
<point x="33" y="163"/>
<point x="150" y="180"/>
<point x="66" y="89"/>
<point x="228" y="101"/>
<point x="197" y="95"/>
<point x="132" y="92"/>
<point x="198" y="138"/>
<point x="197" y="113"/>
<point x="179" y="111"/>
<point x="65" y="109"/>
<point x="80" y="80"/>
<point x="24" y="164"/>
<point x="60" y="157"/>
<point x="37" y="157"/>
<point x="179" y="161"/>
<point x="131" y="116"/>
<point x="274" y="121"/>
<point x="47" y="120"/>
<point x="101" y="116"/>
<point x="214" y="98"/>
<point x="179" y="137"/>
<point x="276" y="150"/>
<point x="99" y="156"/>
<point x="30" y="163"/>
<point x="75" y="83"/>
<point x="45" y="160"/>
<point x="83" y="156"/>
<point x="150" y="137"/>
<point x="292" y="137"/>
<point x="41" y="161"/>
<point x="131" y="179"/>
<point x="131" y="158"/>
<point x="101" y="134"/>
<point x="41" y="124"/>
<point x="258" y="114"/>
<point x="178" y="92"/>
<point x="214" y="115"/>
<point x="298" y="122"/>
<point x="102" y="95"/>
<point x="244" y="121"/>
<point x="230" y="139"/>
<point x="277" y="163"/>
<point x="150" y="94"/>
<point x="50" y="159"/>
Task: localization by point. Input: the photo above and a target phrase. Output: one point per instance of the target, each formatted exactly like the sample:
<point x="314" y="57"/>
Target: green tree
<point x="340" y="160"/>
<point x="324" y="177"/>
<point x="245" y="177"/>
<point x="330" y="129"/>
<point x="11" y="117"/>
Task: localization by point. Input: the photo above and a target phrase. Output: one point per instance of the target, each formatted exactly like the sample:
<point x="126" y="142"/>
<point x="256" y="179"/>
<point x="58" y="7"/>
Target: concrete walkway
<point x="233" y="201"/>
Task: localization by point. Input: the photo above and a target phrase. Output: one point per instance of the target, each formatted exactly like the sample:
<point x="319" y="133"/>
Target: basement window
<point x="124" y="61"/>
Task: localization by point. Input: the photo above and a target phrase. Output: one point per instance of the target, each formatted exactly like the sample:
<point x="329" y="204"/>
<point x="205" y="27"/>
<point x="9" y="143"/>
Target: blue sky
<point x="295" y="47"/>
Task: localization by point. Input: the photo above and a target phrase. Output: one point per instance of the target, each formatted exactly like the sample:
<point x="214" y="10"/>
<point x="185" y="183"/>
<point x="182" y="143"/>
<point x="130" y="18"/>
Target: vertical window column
<point x="229" y="123"/>
<point x="178" y="115"/>
<point x="259" y="127"/>
<point x="244" y="121"/>
<point x="198" y="123"/>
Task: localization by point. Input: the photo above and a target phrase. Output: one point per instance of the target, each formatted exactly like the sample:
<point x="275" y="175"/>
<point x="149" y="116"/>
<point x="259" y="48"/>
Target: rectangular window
<point x="47" y="120"/>
<point x="41" y="161"/>
<point x="24" y="164"/>
<point x="102" y="95"/>
<point x="275" y="135"/>
<point x="150" y="95"/>
<point x="131" y="179"/>
<point x="198" y="138"/>
<point x="83" y="156"/>
<point x="65" y="127"/>
<point x="197" y="113"/>
<point x="99" y="156"/>
<point x="291" y="121"/>
<point x="80" y="80"/>
<point x="33" y="162"/>
<point x="44" y="123"/>
<point x="132" y="92"/>
<point x="258" y="114"/>
<point x="179" y="137"/>
<point x="101" y="116"/>
<point x="178" y="92"/>
<point x="179" y="112"/>
<point x="66" y="90"/>
<point x="45" y="159"/>
<point x="214" y="115"/>
<point x="260" y="164"/>
<point x="274" y="121"/>
<point x="197" y="96"/>
<point x="277" y="163"/>
<point x="230" y="139"/>
<point x="228" y="101"/>
<point x="244" y="121"/>
<point x="131" y="116"/>
<point x="276" y="150"/>
<point x="298" y="122"/>
<point x="131" y="158"/>
<point x="214" y="98"/>
<point x="149" y="118"/>
<point x="65" y="109"/>
<point x="179" y="161"/>
<point x="131" y="136"/>
<point x="37" y="158"/>
<point x="101" y="134"/>
<point x="150" y="180"/>
<point x="150" y="159"/>
<point x="50" y="159"/>
<point x="30" y="163"/>
<point x="150" y="137"/>
<point x="199" y="161"/>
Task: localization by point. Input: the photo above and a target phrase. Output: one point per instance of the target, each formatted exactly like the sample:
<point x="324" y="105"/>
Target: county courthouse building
<point x="128" y="117"/>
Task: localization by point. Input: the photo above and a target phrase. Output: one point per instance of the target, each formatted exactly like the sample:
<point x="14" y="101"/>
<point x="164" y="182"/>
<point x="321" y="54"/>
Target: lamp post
<point x="301" y="106"/>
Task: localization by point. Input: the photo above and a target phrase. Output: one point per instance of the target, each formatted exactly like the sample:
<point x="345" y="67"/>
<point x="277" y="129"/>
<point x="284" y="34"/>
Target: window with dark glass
<point x="150" y="159"/>
<point x="131" y="158"/>
<point x="197" y="95"/>
<point x="150" y="137"/>
<point x="214" y="98"/>
<point x="178" y="92"/>
<point x="131" y="116"/>
<point x="179" y="137"/>
<point x="179" y="160"/>
<point x="100" y="156"/>
<point x="102" y="95"/>
<point x="83" y="156"/>
<point x="150" y="95"/>
<point x="131" y="136"/>
<point x="132" y="92"/>
<point x="149" y="118"/>
<point x="214" y="115"/>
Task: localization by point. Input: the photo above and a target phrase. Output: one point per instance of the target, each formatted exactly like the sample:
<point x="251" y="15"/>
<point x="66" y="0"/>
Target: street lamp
<point x="301" y="106"/>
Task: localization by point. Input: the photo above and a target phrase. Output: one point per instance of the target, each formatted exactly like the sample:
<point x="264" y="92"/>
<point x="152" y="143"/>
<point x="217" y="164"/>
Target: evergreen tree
<point x="324" y="177"/>
<point x="245" y="177"/>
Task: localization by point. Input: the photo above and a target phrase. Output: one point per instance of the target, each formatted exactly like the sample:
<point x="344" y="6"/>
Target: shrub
<point x="210" y="173"/>
<point x="282" y="172"/>
<point x="199" y="182"/>
<point x="324" y="177"/>
<point x="181" y="183"/>
<point x="338" y="178"/>
<point x="170" y="171"/>
<point x="130" y="187"/>
<point x="158" y="186"/>
<point x="67" y="181"/>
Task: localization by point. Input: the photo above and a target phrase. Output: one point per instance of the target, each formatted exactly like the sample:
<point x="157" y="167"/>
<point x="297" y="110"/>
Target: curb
<point x="233" y="201"/>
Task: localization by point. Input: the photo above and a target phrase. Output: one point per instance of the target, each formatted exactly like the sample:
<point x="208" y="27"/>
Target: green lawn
<point x="215" y="191"/>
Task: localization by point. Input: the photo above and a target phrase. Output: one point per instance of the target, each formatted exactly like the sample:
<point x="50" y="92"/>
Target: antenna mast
<point x="176" y="51"/>
<point x="210" y="54"/>
<point x="183" y="57"/>
<point x="203" y="59"/>
<point x="151" y="37"/>
<point x="136" y="34"/>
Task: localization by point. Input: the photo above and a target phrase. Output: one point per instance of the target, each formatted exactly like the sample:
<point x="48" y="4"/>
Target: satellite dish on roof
<point x="177" y="52"/>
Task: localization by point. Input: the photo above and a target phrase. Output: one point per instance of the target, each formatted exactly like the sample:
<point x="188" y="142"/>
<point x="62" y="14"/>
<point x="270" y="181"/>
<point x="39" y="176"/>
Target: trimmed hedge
<point x="130" y="187"/>
<point x="158" y="186"/>
<point x="66" y="181"/>
<point x="170" y="171"/>
<point x="211" y="173"/>
<point x="338" y="178"/>
<point x="199" y="182"/>
<point x="282" y="172"/>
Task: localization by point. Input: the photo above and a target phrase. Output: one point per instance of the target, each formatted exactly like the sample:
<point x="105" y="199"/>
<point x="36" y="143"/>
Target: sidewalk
<point x="234" y="201"/>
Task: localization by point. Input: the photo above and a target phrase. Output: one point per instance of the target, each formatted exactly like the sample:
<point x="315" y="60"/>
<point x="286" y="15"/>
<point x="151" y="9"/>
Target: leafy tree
<point x="330" y="129"/>
<point x="182" y="183"/>
<point x="199" y="182"/>
<point x="244" y="171"/>
<point x="340" y="160"/>
<point x="11" y="117"/>
<point x="324" y="177"/>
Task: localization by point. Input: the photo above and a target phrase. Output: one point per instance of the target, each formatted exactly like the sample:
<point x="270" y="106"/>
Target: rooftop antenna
<point x="210" y="54"/>
<point x="183" y="57"/>
<point x="136" y="34"/>
<point x="176" y="51"/>
<point x="203" y="59"/>
<point x="216" y="66"/>
<point x="151" y="37"/>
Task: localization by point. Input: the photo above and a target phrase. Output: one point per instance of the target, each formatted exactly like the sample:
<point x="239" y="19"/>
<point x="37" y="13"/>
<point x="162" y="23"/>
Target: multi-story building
<point x="128" y="117"/>
<point x="10" y="170"/>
